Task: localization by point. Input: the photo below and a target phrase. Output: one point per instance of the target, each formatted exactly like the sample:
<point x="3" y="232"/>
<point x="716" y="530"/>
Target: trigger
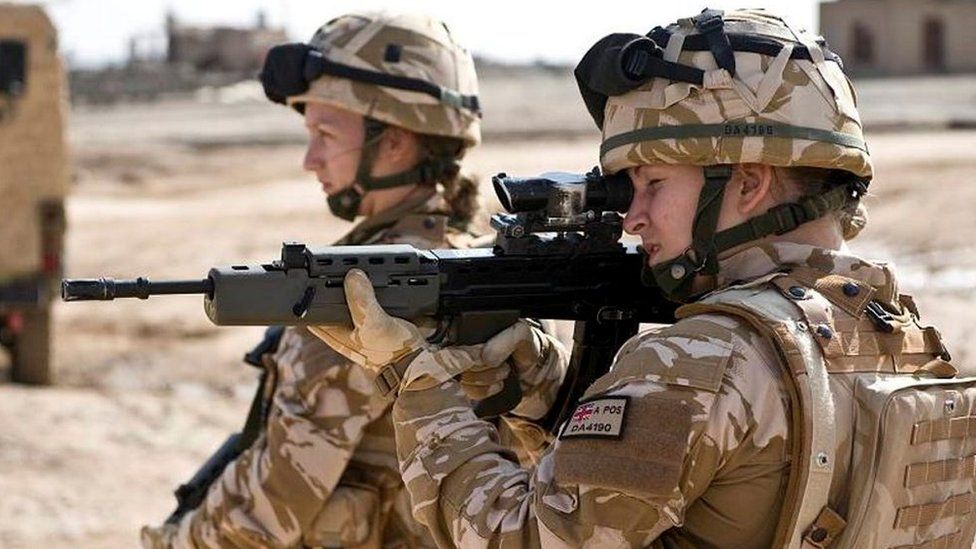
<point x="439" y="337"/>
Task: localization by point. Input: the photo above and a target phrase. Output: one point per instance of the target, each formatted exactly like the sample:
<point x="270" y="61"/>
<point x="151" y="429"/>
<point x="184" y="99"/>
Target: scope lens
<point x="521" y="194"/>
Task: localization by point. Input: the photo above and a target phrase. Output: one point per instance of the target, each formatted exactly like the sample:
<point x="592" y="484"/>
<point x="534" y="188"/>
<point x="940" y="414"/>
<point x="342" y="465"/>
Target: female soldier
<point x="390" y="107"/>
<point x="786" y="407"/>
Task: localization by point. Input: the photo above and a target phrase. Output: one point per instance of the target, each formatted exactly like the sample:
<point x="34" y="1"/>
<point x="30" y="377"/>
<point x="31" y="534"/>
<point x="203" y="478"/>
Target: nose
<point x="314" y="159"/>
<point x="636" y="219"/>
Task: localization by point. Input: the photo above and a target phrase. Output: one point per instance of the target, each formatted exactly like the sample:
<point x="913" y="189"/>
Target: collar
<point x="766" y="258"/>
<point x="372" y="228"/>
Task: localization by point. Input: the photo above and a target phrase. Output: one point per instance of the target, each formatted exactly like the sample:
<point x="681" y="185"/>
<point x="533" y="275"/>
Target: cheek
<point x="344" y="165"/>
<point x="673" y="213"/>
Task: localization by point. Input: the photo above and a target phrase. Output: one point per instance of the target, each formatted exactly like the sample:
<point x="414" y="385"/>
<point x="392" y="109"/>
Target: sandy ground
<point x="148" y="389"/>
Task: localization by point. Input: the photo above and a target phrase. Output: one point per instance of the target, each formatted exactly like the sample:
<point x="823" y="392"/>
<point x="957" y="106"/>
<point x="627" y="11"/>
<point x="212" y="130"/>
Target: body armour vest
<point x="883" y="429"/>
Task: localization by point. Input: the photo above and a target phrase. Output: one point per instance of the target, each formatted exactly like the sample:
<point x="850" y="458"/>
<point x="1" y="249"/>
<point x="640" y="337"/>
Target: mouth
<point x="652" y="251"/>
<point x="326" y="186"/>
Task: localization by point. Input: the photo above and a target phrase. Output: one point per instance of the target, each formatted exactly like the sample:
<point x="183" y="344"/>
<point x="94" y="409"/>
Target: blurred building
<point x="898" y="37"/>
<point x="178" y="60"/>
<point x="220" y="48"/>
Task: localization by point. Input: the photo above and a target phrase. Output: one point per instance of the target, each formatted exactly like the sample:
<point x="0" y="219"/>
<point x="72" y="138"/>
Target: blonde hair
<point x="460" y="190"/>
<point x="804" y="181"/>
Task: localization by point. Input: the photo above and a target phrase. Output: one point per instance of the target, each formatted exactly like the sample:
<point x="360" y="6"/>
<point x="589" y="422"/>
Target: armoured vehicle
<point x="33" y="184"/>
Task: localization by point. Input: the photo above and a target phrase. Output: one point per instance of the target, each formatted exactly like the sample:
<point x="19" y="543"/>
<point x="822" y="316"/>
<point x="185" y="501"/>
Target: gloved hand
<point x="540" y="360"/>
<point x="392" y="350"/>
<point x="484" y="380"/>
<point x="396" y="353"/>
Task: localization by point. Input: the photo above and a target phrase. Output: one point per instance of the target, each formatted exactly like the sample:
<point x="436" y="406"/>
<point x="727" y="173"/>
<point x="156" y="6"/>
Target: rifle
<point x="191" y="493"/>
<point x="557" y="255"/>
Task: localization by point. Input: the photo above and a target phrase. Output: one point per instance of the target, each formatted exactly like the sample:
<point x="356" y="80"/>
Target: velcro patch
<point x="599" y="418"/>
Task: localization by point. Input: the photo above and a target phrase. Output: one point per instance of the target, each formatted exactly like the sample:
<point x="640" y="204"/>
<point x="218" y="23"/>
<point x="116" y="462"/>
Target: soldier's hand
<point x="539" y="359"/>
<point x="391" y="349"/>
<point x="517" y="346"/>
<point x="520" y="342"/>
<point x="484" y="380"/>
<point x="375" y="338"/>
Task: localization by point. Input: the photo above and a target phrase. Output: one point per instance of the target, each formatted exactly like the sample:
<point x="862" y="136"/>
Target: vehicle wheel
<point x="32" y="350"/>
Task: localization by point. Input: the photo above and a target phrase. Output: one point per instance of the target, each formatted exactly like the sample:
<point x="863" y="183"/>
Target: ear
<point x="752" y="188"/>
<point x="398" y="144"/>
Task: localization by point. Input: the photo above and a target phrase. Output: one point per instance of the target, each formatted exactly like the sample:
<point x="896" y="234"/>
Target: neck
<point x="380" y="200"/>
<point x="822" y="233"/>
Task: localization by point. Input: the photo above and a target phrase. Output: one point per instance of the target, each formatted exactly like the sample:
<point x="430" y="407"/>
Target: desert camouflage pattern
<point x="428" y="52"/>
<point x="325" y="472"/>
<point x="886" y="451"/>
<point x="765" y="91"/>
<point x="704" y="456"/>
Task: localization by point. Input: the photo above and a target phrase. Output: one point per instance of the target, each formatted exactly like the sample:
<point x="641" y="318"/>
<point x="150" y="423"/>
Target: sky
<point x="97" y="32"/>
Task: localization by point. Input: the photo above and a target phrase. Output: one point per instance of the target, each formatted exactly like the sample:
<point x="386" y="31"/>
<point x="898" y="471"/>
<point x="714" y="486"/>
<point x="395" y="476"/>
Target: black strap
<point x="745" y="43"/>
<point x="706" y="216"/>
<point x="316" y="65"/>
<point x="787" y="217"/>
<point x="675" y="277"/>
<point x="642" y="60"/>
<point x="257" y="414"/>
<point x="711" y="25"/>
<point x="426" y="171"/>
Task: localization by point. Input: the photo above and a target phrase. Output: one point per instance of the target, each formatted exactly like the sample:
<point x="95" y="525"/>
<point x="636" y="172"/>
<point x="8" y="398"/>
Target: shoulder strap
<point x="257" y="414"/>
<point x="813" y="445"/>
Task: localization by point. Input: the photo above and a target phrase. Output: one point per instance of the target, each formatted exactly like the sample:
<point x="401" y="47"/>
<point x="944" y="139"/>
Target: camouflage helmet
<point x="408" y="47"/>
<point x="720" y="89"/>
<point x="725" y="88"/>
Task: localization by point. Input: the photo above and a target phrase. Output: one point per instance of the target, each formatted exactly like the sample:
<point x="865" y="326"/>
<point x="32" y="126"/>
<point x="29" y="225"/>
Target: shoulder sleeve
<point x="640" y="427"/>
<point x="643" y="445"/>
<point x="275" y="489"/>
<point x="695" y="396"/>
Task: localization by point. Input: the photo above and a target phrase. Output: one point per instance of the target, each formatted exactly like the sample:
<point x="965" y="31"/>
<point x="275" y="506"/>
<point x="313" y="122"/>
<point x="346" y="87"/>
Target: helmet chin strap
<point x="675" y="277"/>
<point x="345" y="203"/>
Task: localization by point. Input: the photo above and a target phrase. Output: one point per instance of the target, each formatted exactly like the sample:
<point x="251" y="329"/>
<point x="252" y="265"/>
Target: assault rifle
<point x="557" y="255"/>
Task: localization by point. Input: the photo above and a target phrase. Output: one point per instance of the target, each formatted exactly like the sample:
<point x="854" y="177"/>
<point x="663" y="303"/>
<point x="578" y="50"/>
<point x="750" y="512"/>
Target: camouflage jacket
<point x="324" y="472"/>
<point x="685" y="443"/>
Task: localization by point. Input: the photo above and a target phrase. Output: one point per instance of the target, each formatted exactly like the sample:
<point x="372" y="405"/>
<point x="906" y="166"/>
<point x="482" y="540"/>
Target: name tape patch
<point x="601" y="418"/>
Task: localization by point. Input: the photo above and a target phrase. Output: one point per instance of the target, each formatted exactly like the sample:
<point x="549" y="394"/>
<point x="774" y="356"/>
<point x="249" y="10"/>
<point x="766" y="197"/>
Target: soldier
<point x="390" y="105"/>
<point x="797" y="401"/>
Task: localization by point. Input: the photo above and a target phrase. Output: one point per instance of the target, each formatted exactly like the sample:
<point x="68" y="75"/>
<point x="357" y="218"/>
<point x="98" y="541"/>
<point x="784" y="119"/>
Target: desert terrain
<point x="148" y="389"/>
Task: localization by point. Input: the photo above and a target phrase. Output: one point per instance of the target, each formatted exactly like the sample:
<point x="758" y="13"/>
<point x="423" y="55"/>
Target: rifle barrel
<point x="107" y="289"/>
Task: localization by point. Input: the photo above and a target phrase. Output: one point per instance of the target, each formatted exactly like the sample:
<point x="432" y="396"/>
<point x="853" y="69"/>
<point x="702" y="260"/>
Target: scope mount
<point x="536" y="233"/>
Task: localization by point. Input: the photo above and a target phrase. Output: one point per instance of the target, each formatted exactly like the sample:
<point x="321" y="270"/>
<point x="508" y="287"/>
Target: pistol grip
<point x="504" y="401"/>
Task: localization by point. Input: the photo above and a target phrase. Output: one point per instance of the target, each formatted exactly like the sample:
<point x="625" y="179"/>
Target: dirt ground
<point x="147" y="390"/>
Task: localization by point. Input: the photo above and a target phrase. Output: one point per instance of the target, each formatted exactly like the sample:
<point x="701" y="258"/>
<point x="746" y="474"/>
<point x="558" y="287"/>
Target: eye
<point x="652" y="183"/>
<point x="324" y="132"/>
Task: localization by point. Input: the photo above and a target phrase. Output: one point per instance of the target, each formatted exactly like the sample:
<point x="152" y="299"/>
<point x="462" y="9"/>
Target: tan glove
<point x="483" y="380"/>
<point x="392" y="350"/>
<point x="520" y="342"/>
<point x="540" y="360"/>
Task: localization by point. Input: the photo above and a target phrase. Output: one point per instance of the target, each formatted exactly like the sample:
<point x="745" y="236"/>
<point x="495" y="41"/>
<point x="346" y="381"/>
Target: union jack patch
<point x="600" y="417"/>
